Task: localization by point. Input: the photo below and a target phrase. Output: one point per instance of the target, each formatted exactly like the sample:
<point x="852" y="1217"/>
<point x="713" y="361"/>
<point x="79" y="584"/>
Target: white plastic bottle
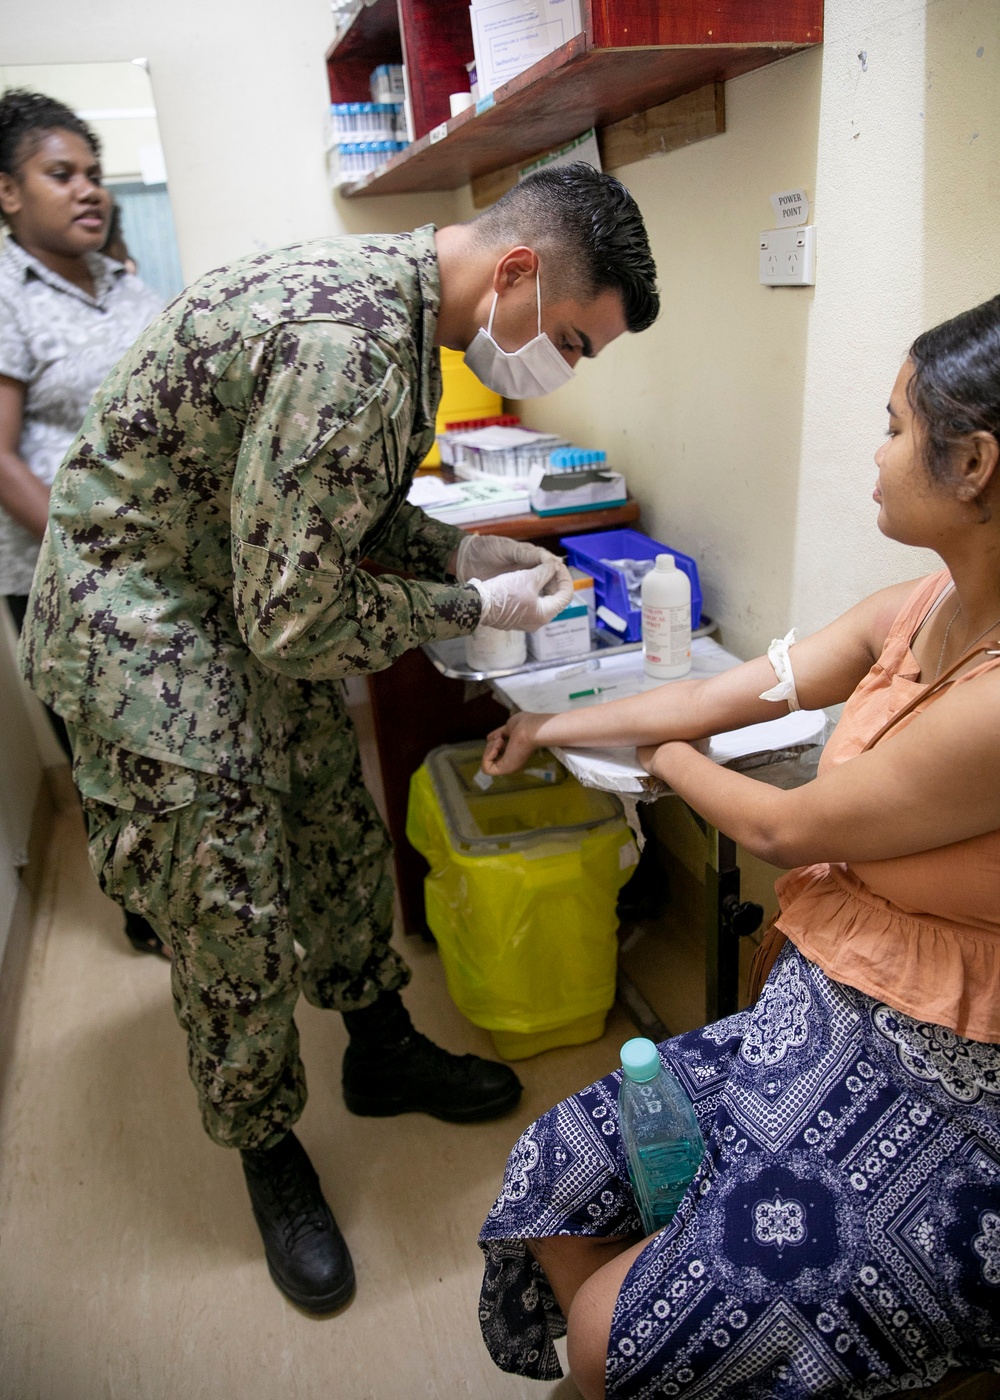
<point x="666" y="620"/>
<point x="490" y="649"/>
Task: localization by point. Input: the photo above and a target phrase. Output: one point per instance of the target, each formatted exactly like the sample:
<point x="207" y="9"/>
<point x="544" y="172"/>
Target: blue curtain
<point x="148" y="229"/>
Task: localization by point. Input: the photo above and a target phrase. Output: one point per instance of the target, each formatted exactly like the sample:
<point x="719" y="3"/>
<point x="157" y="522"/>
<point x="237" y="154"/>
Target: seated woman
<point x="842" y="1234"/>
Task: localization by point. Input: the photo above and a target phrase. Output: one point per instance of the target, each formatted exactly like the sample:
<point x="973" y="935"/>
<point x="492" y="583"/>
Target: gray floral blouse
<point x="59" y="343"/>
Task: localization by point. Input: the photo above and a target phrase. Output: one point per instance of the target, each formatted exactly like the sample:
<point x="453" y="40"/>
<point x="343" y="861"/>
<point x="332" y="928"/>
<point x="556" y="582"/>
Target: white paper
<point x="511" y="35"/>
<point x="613" y="678"/>
<point x="499" y="438"/>
<point x="612" y="770"/>
<point x="790" y="207"/>
<point x="617" y="770"/>
<point x="431" y="490"/>
<point x="584" y="149"/>
<point x="786" y="732"/>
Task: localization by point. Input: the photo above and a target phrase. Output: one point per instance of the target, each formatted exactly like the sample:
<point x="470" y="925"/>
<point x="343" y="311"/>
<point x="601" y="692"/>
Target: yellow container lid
<point x="464" y="398"/>
<point x="463" y="392"/>
<point x="487" y="816"/>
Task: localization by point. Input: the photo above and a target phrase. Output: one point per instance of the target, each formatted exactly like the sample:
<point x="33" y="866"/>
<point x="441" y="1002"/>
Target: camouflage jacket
<point x="208" y="524"/>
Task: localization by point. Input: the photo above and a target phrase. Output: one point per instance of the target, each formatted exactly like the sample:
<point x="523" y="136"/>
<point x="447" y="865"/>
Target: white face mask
<point x="536" y="369"/>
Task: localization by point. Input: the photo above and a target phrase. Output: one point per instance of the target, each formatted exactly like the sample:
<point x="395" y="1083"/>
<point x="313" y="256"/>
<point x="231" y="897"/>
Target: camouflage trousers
<point x="232" y="876"/>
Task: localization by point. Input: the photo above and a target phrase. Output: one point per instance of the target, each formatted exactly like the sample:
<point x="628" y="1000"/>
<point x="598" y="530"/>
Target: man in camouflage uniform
<point x="199" y="596"/>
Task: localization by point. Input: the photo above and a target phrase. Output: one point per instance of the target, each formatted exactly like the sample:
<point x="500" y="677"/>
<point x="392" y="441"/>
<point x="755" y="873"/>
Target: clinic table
<point x="783" y="752"/>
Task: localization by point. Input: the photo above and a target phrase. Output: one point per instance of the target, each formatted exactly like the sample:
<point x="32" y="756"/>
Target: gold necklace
<point x="947" y="634"/>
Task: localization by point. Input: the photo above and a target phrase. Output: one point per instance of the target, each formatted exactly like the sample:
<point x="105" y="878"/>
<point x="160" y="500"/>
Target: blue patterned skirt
<point x="841" y="1237"/>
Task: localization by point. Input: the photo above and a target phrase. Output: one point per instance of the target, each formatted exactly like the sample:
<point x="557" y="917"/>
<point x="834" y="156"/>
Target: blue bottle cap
<point x="640" y="1060"/>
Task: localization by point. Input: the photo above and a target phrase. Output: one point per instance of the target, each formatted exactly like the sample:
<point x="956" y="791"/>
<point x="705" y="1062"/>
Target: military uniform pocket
<point x="396" y="403"/>
<point x="132" y="855"/>
<point x="109" y="774"/>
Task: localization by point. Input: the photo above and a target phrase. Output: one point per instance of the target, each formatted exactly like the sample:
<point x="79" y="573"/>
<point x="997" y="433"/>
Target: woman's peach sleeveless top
<point x="919" y="932"/>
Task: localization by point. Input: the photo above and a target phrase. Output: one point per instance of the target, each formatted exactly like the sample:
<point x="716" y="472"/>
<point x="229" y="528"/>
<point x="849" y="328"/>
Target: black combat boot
<point x="390" y="1068"/>
<point x="306" y="1253"/>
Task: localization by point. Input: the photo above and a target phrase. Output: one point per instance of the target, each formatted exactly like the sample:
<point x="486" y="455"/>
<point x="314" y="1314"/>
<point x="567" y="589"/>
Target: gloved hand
<point x="525" y="599"/>
<point x="487" y="556"/>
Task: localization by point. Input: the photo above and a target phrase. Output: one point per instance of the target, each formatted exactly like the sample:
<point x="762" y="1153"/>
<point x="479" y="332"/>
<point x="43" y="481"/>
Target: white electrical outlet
<point x="788" y="256"/>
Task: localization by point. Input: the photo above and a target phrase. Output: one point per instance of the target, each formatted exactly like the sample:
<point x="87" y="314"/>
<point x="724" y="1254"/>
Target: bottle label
<point x="666" y="634"/>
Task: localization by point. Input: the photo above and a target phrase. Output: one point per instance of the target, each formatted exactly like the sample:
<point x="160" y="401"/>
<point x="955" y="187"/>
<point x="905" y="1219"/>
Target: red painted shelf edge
<point x="347" y="46"/>
<point x="576" y="48"/>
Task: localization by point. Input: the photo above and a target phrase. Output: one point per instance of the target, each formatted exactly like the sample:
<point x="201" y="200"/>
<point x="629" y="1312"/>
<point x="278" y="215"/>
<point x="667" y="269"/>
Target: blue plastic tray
<point x="590" y="552"/>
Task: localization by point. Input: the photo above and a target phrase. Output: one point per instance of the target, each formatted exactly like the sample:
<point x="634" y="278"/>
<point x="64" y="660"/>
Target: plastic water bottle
<point x="660" y="1132"/>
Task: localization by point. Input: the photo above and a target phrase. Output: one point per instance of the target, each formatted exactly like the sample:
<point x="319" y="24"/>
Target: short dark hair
<point x="594" y="226"/>
<point x="955" y="387"/>
<point x="25" y="117"/>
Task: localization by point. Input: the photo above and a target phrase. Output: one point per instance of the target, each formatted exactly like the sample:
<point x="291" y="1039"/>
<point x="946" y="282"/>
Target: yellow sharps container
<point x="521" y="895"/>
<point x="463" y="400"/>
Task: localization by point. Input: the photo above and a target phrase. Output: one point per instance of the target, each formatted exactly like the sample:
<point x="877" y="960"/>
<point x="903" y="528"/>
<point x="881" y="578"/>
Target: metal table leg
<point x="727" y="920"/>
<point x="722" y="949"/>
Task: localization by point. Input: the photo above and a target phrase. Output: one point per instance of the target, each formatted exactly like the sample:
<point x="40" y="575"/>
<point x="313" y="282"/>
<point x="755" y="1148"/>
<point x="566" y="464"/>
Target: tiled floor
<point x="130" y="1267"/>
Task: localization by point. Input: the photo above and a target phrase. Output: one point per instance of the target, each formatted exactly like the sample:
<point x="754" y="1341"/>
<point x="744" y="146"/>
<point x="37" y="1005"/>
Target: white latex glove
<point x="487" y="556"/>
<point x="525" y="599"/>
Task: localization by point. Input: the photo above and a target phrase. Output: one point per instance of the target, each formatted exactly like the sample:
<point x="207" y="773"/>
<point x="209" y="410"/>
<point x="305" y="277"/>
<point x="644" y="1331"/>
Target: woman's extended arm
<point x="828" y="665"/>
<point x="22" y="495"/>
<point x="930" y="783"/>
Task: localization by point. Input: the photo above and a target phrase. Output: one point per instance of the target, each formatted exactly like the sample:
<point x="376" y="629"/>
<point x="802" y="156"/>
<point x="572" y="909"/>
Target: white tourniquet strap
<point x="777" y="654"/>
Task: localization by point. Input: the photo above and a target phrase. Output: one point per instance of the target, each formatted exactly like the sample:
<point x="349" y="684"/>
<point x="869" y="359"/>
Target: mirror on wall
<point x="116" y="100"/>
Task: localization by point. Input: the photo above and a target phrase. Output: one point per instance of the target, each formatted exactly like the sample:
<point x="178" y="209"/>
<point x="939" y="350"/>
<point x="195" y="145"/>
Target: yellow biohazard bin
<point x="463" y="399"/>
<point x="521" y="895"/>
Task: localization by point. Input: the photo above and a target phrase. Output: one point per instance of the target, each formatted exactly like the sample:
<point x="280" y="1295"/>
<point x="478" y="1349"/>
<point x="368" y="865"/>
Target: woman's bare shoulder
<point x="879" y="611"/>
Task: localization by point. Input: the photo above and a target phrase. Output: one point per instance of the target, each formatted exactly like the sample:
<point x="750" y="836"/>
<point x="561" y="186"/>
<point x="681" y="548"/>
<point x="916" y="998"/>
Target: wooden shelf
<point x="372" y="38"/>
<point x="633" y="54"/>
<point x="543" y="527"/>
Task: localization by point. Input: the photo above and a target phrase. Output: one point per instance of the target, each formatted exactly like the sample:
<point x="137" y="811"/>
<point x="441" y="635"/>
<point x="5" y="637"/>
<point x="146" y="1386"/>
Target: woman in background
<point x="67" y="315"/>
<point x="114" y="246"/>
<point x="842" y="1234"/>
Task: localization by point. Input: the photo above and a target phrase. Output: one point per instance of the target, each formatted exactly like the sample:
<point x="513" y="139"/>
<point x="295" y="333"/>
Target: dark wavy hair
<point x="591" y="224"/>
<point x="955" y="387"/>
<point x="25" y="117"/>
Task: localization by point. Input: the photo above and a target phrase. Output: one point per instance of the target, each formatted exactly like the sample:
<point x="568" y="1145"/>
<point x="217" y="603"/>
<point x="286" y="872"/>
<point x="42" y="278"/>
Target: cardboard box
<point x="510" y="35"/>
<point x="566" y="635"/>
<point x="564" y="492"/>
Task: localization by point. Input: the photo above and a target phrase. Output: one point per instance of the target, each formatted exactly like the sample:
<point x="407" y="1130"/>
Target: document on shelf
<point x="510" y="35"/>
<point x="467" y="502"/>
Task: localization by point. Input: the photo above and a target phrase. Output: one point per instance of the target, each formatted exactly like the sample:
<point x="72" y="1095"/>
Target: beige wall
<point x="704" y="410"/>
<point x="89" y="87"/>
<point x="240" y="92"/>
<point x="747" y="417"/>
<point x="908" y="198"/>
